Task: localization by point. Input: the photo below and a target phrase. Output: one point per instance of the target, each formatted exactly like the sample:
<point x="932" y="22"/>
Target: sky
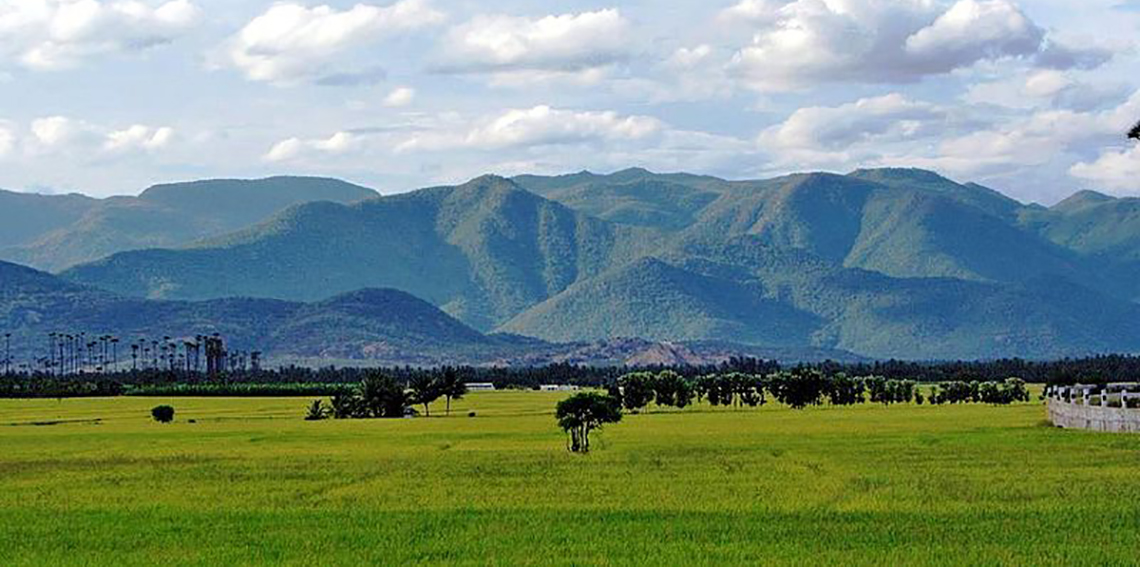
<point x="106" y="97"/>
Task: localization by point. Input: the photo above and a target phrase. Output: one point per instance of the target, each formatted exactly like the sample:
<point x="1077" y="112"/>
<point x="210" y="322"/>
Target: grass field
<point x="250" y="482"/>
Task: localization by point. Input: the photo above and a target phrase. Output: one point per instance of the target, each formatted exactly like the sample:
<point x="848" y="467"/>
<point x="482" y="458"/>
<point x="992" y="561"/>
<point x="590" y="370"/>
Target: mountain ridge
<point x="812" y="260"/>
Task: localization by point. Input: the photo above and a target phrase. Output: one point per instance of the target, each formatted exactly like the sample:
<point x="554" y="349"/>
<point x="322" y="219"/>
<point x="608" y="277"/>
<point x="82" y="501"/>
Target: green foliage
<point x="800" y="388"/>
<point x="583" y="413"/>
<point x="845" y="390"/>
<point x="451" y="386"/>
<point x="377" y="396"/>
<point x="317" y="411"/>
<point x="889" y="392"/>
<point x="162" y="414"/>
<point x="637" y="390"/>
<point x="425" y="389"/>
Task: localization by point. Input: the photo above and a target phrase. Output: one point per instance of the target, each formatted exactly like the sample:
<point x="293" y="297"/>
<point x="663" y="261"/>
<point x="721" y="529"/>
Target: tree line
<point x="206" y="370"/>
<point x="801" y="388"/>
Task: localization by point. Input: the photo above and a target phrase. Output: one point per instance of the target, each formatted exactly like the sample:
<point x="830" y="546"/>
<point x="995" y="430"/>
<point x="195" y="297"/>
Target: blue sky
<point x="109" y="96"/>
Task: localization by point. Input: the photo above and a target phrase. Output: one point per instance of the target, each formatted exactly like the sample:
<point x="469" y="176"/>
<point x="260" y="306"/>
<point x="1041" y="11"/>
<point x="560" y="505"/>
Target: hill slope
<point x="885" y="263"/>
<point x="70" y="230"/>
<point x="482" y="251"/>
<point x="378" y="325"/>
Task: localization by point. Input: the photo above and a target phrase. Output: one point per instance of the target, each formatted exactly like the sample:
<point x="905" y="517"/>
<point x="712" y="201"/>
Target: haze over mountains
<point x="881" y="263"/>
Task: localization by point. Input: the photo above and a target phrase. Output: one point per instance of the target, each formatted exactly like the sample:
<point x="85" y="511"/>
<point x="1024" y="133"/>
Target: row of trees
<point x="68" y="354"/>
<point x="583" y="413"/>
<point x="799" y="389"/>
<point x="379" y="395"/>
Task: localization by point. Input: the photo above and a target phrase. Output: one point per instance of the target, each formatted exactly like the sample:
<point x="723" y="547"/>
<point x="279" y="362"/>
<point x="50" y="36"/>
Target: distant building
<point x="558" y="388"/>
<point x="480" y="387"/>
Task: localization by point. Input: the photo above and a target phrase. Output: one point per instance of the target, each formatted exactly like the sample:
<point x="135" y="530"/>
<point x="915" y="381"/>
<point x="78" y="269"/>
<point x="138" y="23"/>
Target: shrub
<point x="317" y="411"/>
<point x="162" y="414"/>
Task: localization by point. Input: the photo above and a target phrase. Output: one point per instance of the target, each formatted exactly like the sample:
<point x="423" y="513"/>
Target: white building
<point x="558" y="388"/>
<point x="480" y="387"/>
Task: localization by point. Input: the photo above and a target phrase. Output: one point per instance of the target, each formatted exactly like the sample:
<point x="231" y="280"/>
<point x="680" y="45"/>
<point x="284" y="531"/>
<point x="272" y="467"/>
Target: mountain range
<point x="887" y="263"/>
<point x="382" y="326"/>
<point x="52" y="232"/>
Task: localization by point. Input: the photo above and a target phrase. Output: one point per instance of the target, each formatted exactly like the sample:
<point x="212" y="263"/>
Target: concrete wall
<point x="1093" y="417"/>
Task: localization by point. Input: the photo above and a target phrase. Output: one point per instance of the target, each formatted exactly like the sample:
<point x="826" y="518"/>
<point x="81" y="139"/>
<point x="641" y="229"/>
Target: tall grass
<point x="251" y="482"/>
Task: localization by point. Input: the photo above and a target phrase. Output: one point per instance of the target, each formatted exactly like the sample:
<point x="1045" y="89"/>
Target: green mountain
<point x="370" y="326"/>
<point x="883" y="263"/>
<point x="634" y="196"/>
<point x="379" y="325"/>
<point x="482" y="251"/>
<point x="54" y="232"/>
<point x="25" y="217"/>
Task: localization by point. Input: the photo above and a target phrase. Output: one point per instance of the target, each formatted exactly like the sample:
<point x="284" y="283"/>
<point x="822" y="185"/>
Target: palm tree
<point x="1134" y="134"/>
<point x="452" y="387"/>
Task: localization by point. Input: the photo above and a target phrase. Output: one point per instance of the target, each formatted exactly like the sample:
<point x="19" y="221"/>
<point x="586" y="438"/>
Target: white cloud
<point x="540" y="126"/>
<point x="297" y="148"/>
<point x="567" y="44"/>
<point x="975" y="30"/>
<point x="753" y="11"/>
<point x="291" y="42"/>
<point x="53" y="131"/>
<point x="812" y="42"/>
<point x="1043" y="138"/>
<point x="56" y="34"/>
<point x="399" y="97"/>
<point x="888" y="118"/>
<point x="139" y="137"/>
<point x="61" y="134"/>
<point x="1047" y="88"/>
<point x="1114" y="169"/>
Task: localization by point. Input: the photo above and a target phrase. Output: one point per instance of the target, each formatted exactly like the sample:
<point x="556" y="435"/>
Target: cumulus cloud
<point x="294" y="148"/>
<point x="57" y="34"/>
<point x="1045" y="137"/>
<point x="540" y="126"/>
<point x="892" y="117"/>
<point x="1114" y="169"/>
<point x="138" y="137"/>
<point x="809" y="42"/>
<point x="400" y="96"/>
<point x="1047" y="88"/>
<point x="62" y="135"/>
<point x="291" y="42"/>
<point x="567" y="44"/>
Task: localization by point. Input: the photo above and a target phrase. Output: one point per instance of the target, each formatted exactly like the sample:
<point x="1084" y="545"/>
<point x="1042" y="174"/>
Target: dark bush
<point x="162" y="414"/>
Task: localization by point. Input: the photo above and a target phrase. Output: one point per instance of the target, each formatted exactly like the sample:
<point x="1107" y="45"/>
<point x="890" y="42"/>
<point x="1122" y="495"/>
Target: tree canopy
<point x="582" y="413"/>
<point x="1135" y="132"/>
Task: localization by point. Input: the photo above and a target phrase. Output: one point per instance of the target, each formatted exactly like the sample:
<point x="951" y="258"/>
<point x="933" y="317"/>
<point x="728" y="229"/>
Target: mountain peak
<point x="1082" y="199"/>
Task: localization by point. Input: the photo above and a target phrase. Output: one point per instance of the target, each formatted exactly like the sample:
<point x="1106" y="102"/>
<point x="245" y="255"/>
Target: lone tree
<point x="582" y="413"/>
<point x="162" y="414"/>
<point x="1134" y="134"/>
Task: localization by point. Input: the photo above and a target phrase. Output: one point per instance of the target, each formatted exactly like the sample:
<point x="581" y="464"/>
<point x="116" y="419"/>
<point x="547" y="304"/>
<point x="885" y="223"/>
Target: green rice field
<point x="97" y="482"/>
